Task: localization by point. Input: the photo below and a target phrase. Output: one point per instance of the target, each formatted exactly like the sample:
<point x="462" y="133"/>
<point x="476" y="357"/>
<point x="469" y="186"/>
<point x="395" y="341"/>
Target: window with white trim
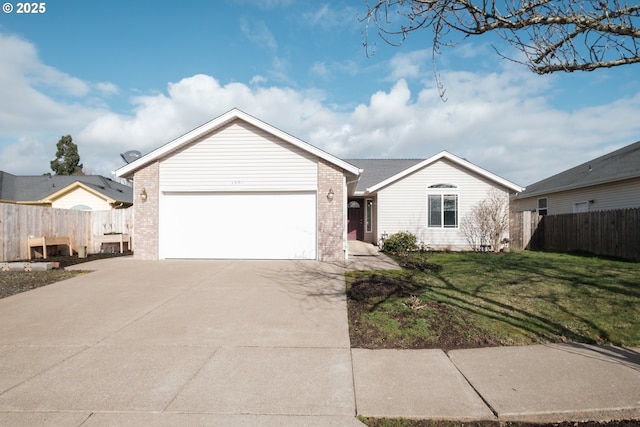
<point x="369" y="223"/>
<point x="442" y="206"/>
<point x="542" y="206"/>
<point x="579" y="207"/>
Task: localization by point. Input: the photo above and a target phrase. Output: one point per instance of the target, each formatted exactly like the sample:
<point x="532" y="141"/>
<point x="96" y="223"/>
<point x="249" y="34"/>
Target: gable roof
<point x="378" y="170"/>
<point x="45" y="188"/>
<point x="380" y="173"/>
<point x="615" y="166"/>
<point x="234" y="114"/>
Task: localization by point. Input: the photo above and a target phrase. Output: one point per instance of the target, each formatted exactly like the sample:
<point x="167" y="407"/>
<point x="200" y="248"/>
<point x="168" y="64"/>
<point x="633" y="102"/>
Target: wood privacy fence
<point x="614" y="233"/>
<point x="18" y="222"/>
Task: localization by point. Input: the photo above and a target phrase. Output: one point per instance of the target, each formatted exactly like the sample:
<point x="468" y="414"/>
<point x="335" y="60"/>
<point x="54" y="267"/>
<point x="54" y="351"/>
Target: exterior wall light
<point x="330" y="194"/>
<point x="143" y="195"/>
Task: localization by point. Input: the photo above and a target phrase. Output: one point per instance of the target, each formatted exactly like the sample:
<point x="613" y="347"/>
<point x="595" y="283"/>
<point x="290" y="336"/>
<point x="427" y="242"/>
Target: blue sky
<point x="120" y="75"/>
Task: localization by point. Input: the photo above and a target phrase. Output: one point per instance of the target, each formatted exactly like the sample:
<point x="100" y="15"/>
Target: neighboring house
<point x="608" y="182"/>
<point x="81" y="192"/>
<point x="237" y="187"/>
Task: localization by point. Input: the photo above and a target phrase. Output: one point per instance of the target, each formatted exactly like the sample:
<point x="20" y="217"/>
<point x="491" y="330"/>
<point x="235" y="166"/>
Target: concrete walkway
<point x="246" y="343"/>
<point x="365" y="256"/>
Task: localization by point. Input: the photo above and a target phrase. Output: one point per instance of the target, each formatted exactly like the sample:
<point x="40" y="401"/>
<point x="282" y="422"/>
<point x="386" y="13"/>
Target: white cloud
<point x="329" y="19"/>
<point x="501" y="121"/>
<point x="38" y="104"/>
<point x="259" y="34"/>
<point x="107" y="88"/>
<point x="320" y="69"/>
<point x="258" y="79"/>
<point x="408" y="64"/>
<point x="21" y="157"/>
<point x="19" y="63"/>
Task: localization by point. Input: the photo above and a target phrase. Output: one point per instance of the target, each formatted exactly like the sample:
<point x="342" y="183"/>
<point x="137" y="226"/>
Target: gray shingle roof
<point x="377" y="170"/>
<point x="615" y="166"/>
<point x="31" y="188"/>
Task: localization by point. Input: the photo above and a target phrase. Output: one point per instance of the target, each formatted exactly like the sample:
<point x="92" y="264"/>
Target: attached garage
<point x="238" y="225"/>
<point x="238" y="188"/>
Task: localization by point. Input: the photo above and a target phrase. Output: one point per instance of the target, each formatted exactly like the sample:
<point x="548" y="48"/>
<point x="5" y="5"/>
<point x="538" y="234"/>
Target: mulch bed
<point x="15" y="282"/>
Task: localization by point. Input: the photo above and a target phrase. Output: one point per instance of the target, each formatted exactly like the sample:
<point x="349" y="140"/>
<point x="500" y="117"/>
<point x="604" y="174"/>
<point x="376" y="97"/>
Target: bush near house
<point x="400" y="243"/>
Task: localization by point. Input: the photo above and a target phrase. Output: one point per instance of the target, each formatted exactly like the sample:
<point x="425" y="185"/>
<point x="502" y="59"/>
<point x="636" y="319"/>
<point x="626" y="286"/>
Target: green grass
<point x="518" y="298"/>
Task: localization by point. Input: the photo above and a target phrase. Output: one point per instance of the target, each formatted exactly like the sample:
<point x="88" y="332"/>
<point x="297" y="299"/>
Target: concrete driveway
<point x="180" y="343"/>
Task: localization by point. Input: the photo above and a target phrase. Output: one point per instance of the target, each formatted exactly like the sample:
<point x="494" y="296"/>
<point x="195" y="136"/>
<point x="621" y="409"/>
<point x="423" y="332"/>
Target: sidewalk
<point x="540" y="383"/>
<point x="365" y="256"/>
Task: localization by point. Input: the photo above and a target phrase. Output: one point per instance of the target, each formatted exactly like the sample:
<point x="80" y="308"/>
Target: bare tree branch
<point x="553" y="35"/>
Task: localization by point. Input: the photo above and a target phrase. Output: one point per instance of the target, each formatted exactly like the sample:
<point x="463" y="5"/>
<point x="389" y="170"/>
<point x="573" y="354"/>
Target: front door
<point x="355" y="220"/>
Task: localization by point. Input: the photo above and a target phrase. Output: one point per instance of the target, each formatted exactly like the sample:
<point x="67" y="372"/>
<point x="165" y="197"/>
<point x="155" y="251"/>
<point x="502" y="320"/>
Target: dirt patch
<point x="449" y="330"/>
<point x="379" y="287"/>
<point x="435" y="325"/>
<point x="15" y="282"/>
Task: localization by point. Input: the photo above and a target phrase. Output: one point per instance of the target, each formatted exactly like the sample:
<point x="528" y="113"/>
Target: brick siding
<point x="146" y="212"/>
<point x="331" y="216"/>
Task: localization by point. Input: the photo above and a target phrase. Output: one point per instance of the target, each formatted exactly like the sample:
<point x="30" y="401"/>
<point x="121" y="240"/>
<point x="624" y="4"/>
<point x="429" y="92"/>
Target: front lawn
<point x="466" y="300"/>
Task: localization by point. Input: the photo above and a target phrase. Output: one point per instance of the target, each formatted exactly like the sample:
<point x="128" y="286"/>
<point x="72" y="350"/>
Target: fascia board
<point x="128" y="170"/>
<point x="453" y="158"/>
<point x="71" y="187"/>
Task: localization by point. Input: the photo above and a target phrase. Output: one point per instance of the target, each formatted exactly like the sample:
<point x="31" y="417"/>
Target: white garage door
<point x="238" y="225"/>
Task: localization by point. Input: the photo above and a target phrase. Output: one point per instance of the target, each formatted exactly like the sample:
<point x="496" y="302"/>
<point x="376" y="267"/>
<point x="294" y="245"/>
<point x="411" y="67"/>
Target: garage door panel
<point x="238" y="225"/>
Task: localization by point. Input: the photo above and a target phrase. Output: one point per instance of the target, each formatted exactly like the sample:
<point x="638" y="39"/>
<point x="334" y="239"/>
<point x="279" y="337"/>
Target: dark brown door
<point x="355" y="220"/>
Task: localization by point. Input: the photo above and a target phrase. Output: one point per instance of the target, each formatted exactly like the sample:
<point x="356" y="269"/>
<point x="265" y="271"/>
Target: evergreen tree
<point x="67" y="161"/>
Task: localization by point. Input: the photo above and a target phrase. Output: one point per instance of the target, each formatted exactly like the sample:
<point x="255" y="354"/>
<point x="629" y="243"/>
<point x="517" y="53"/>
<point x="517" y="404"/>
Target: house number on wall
<point x="237" y="182"/>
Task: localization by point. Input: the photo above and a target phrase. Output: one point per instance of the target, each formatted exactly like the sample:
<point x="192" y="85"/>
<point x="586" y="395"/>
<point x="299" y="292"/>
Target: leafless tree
<point x="488" y="222"/>
<point x="553" y="35"/>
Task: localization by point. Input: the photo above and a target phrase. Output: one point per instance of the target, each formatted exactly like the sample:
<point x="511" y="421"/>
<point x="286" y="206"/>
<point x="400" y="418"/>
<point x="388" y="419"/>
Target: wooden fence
<point x="18" y="222"/>
<point x="614" y="233"/>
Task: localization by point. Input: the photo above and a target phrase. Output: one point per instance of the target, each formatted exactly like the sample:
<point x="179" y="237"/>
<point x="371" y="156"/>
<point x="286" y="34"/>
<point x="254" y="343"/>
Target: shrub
<point x="400" y="243"/>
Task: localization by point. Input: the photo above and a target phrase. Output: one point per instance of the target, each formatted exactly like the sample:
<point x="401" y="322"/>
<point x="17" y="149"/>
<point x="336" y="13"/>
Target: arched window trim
<point x="81" y="208"/>
<point x="443" y="186"/>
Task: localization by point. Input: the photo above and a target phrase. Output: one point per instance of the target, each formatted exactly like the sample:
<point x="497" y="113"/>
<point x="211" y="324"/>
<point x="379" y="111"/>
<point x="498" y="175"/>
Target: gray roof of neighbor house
<point x="374" y="171"/>
<point x="615" y="166"/>
<point x="32" y="188"/>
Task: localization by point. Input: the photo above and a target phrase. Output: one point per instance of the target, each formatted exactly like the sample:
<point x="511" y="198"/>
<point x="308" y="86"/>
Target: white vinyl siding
<point x="238" y="193"/>
<point x="239" y="157"/>
<point x="402" y="206"/>
<point x="618" y="195"/>
<point x="80" y="197"/>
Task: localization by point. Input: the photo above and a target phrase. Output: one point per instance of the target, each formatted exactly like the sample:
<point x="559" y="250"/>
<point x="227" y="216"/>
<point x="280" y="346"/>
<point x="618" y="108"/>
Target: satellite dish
<point x="130" y="156"/>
